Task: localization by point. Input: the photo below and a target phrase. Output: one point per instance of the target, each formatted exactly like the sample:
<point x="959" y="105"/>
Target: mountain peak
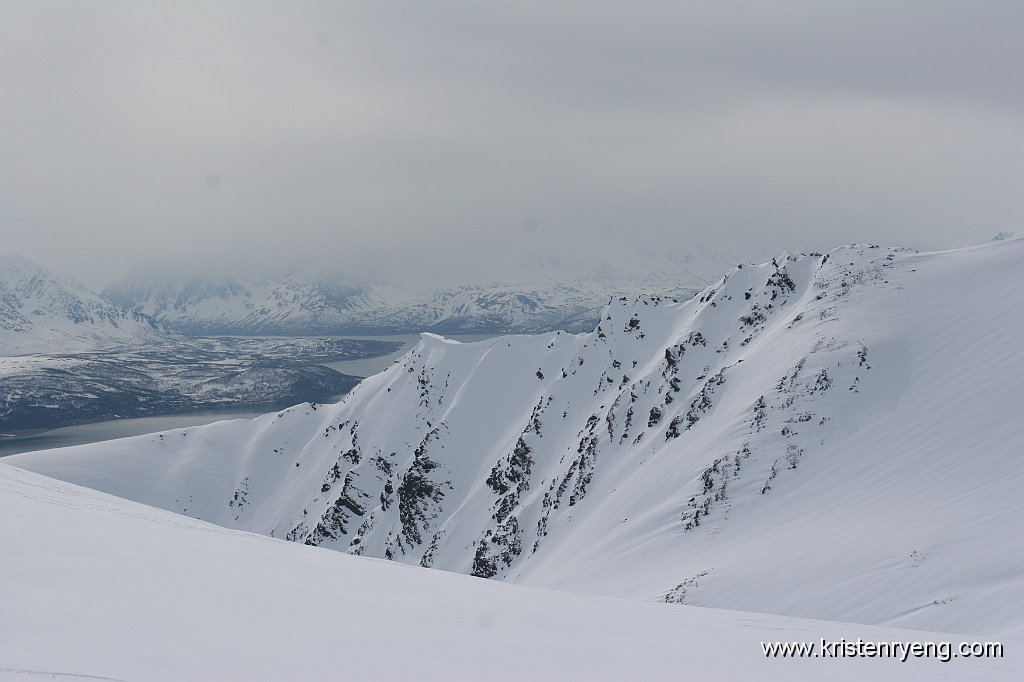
<point x="652" y="457"/>
<point x="40" y="310"/>
<point x="10" y="260"/>
<point x="542" y="291"/>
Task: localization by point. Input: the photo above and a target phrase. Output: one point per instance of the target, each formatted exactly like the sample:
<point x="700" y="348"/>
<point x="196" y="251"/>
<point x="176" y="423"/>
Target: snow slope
<point x="96" y="587"/>
<point x="832" y="436"/>
<point x="41" y="311"/>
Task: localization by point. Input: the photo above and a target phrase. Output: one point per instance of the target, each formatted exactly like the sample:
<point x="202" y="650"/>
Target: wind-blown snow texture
<point x="831" y="436"/>
<point x="96" y="587"/>
<point x="43" y="311"/>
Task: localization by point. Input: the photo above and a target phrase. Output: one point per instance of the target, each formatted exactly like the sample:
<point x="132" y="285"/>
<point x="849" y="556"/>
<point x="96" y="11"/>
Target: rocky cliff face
<point x="782" y="442"/>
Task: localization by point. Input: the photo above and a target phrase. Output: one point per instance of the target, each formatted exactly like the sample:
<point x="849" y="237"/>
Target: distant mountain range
<point x="543" y="293"/>
<point x="40" y="310"/>
<point x="69" y="356"/>
<point x="825" y="435"/>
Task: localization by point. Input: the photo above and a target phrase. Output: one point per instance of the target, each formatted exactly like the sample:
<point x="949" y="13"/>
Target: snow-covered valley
<point x="169" y="375"/>
<point x="823" y="436"/>
<point x="486" y="341"/>
<point x="69" y="355"/>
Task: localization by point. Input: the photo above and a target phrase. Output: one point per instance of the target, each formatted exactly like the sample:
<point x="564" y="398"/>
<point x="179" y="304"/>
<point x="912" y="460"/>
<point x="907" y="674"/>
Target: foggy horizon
<point x="456" y="138"/>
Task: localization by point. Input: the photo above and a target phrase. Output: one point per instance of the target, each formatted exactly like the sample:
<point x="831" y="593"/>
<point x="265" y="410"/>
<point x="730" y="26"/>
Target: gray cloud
<point x="377" y="135"/>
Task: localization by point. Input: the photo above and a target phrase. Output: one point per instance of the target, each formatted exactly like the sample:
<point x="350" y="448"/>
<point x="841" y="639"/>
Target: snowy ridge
<point x="96" y="587"/>
<point x="540" y="293"/>
<point x="783" y="442"/>
<point x="43" y="311"/>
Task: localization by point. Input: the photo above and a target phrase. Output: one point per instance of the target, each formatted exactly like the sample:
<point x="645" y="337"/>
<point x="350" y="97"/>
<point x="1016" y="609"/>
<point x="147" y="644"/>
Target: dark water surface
<point x="123" y="428"/>
<point x="116" y="428"/>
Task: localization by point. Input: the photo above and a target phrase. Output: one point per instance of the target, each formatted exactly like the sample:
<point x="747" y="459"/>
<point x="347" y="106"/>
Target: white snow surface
<point x="834" y="437"/>
<point x="95" y="587"/>
<point x="41" y="311"/>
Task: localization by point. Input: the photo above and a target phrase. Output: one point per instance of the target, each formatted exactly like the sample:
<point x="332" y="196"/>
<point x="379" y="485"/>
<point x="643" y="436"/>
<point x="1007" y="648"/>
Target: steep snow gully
<point x="830" y="436"/>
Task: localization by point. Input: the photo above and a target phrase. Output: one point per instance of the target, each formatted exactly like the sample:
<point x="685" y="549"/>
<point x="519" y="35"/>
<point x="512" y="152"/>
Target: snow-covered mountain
<point x="69" y="356"/>
<point x="541" y="293"/>
<point x="174" y="374"/>
<point x="98" y="588"/>
<point x="831" y="436"/>
<point x="294" y="303"/>
<point x="40" y="310"/>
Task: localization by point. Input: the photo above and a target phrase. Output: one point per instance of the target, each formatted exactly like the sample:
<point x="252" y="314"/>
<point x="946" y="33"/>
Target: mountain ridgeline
<point x="41" y="310"/>
<point x="783" y="442"/>
<point x="68" y="356"/>
<point x="542" y="293"/>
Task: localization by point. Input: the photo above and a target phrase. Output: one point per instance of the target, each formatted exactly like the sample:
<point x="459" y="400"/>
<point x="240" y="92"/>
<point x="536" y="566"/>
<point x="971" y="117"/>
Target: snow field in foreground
<point x="96" y="587"/>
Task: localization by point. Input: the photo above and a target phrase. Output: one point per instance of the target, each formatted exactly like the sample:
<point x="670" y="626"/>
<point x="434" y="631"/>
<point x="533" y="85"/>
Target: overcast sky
<point x="372" y="134"/>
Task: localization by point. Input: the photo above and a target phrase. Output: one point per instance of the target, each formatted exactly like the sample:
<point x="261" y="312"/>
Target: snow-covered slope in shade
<point x="830" y="436"/>
<point x="96" y="587"/>
<point x="41" y="311"/>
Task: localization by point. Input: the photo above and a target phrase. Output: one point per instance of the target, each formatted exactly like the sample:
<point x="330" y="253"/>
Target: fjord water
<point x="835" y="400"/>
<point x="81" y="434"/>
<point x="117" y="428"/>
